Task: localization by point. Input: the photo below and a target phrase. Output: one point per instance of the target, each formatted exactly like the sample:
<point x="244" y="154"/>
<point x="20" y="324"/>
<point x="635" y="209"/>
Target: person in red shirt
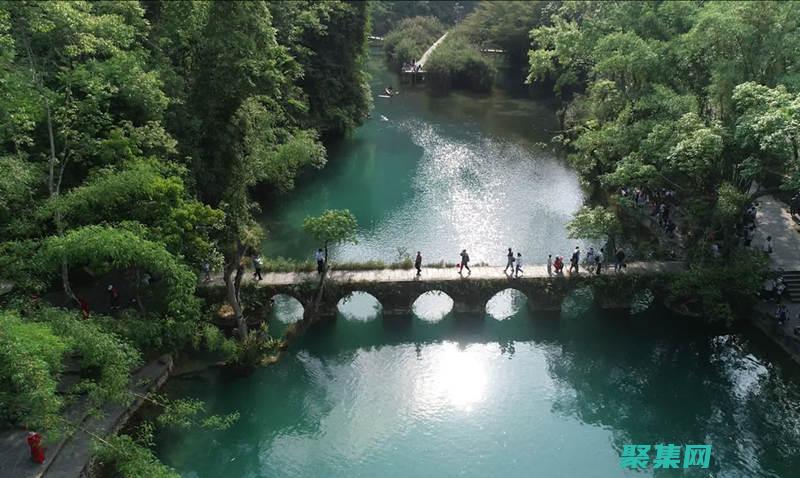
<point x="37" y="450"/>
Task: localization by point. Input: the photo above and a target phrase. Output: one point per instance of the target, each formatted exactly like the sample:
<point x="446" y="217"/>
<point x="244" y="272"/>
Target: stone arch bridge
<point x="397" y="290"/>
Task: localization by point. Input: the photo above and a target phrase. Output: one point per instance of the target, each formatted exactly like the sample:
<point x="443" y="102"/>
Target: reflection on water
<point x="533" y="395"/>
<point x="441" y="175"/>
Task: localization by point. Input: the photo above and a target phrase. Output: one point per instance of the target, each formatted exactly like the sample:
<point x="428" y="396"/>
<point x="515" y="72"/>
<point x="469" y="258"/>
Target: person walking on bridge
<point x="574" y="262"/>
<point x="464" y="262"/>
<point x="598" y="259"/>
<point x="257" y="265"/>
<point x="550" y="264"/>
<point x="418" y="263"/>
<point x="510" y="262"/>
<point x="620" y="260"/>
<point x="518" y="269"/>
<point x="320" y="258"/>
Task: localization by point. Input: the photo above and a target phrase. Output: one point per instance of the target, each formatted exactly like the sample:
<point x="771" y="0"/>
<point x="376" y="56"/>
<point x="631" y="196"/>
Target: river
<point x="437" y="175"/>
<point x="508" y="393"/>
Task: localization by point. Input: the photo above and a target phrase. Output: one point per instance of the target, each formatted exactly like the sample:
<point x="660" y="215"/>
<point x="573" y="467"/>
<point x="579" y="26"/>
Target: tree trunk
<point x="232" y="286"/>
<point x="55" y="189"/>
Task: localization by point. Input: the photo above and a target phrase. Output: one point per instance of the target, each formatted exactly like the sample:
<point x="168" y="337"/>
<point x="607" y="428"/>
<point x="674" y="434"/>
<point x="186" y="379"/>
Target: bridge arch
<point x="432" y="305"/>
<point x="506" y="303"/>
<point x="284" y="310"/>
<point x="359" y="305"/>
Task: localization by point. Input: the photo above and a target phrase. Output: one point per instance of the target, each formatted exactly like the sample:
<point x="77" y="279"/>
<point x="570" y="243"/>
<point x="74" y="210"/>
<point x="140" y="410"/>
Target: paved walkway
<point x="421" y="62"/>
<point x="437" y="274"/>
<point x="69" y="457"/>
<point x="773" y="219"/>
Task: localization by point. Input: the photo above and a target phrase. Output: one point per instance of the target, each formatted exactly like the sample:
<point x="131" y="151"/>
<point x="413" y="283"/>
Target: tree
<point x="595" y="223"/>
<point x="89" y="89"/>
<point x="332" y="227"/>
<point x="768" y="124"/>
<point x="506" y="25"/>
<point x="328" y="39"/>
<point x="410" y="38"/>
<point x="248" y="104"/>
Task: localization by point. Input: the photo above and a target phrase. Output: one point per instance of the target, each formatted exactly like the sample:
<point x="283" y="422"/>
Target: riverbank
<point x="70" y="456"/>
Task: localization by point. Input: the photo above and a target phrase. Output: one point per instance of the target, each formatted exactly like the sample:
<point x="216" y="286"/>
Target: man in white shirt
<point x="320" y="258"/>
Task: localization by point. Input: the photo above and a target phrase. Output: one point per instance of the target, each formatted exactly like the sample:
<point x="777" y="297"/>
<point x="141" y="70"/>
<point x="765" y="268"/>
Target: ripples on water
<point x="530" y="395"/>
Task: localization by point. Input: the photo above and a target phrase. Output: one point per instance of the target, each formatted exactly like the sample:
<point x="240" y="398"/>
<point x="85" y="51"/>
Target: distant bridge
<point x="398" y="289"/>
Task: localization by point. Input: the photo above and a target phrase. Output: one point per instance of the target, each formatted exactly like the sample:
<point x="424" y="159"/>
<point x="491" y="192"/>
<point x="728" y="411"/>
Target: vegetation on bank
<point x="386" y="15"/>
<point x="458" y="63"/>
<point x="462" y="60"/>
<point x="410" y="39"/>
<point x="694" y="98"/>
<point x="132" y="136"/>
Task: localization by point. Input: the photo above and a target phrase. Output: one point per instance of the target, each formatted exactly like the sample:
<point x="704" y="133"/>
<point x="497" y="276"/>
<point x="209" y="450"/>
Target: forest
<point x="138" y="139"/>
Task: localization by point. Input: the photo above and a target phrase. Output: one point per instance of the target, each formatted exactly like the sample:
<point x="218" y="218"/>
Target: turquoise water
<point x="510" y="394"/>
<point x="436" y="175"/>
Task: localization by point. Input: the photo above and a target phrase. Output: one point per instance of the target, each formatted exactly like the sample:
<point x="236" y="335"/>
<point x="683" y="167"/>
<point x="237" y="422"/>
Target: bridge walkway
<point x="438" y="274"/>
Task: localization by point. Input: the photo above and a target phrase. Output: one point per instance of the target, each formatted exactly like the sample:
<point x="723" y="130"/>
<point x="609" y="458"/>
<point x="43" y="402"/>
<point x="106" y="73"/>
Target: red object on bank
<point x="37" y="450"/>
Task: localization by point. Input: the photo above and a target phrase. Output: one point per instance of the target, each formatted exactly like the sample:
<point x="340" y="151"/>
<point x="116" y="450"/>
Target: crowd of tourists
<point x="660" y="204"/>
<point x="411" y="66"/>
<point x="593" y="262"/>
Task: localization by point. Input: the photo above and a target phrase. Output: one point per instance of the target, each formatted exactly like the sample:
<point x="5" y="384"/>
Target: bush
<point x="457" y="63"/>
<point x="30" y="361"/>
<point x="716" y="291"/>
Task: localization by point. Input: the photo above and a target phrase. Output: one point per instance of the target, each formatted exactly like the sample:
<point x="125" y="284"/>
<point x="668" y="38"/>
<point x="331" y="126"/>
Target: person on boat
<point x="389" y="91"/>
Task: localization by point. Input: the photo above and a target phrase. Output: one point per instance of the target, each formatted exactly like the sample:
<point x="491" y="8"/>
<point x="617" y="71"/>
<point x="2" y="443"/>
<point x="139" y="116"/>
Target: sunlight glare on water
<point x="441" y="175"/>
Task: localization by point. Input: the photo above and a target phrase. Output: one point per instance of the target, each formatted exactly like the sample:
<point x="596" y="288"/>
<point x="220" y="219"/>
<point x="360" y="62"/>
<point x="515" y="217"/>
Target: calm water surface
<point x="510" y="394"/>
<point x="439" y="175"/>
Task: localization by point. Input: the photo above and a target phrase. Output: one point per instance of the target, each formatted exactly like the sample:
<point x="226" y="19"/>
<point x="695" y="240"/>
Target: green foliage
<point x="718" y="291"/>
<point x="458" y="63"/>
<point x="130" y="458"/>
<point x="594" y="223"/>
<point x="107" y="248"/>
<point x="328" y="39"/>
<point x="148" y="193"/>
<point x="410" y="38"/>
<point x="30" y="361"/>
<point x="254" y="349"/>
<point x="385" y="15"/>
<point x="730" y="204"/>
<point x="332" y="226"/>
<point x="105" y="359"/>
<point x="769" y="126"/>
<point x="693" y="97"/>
<point x="505" y="24"/>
